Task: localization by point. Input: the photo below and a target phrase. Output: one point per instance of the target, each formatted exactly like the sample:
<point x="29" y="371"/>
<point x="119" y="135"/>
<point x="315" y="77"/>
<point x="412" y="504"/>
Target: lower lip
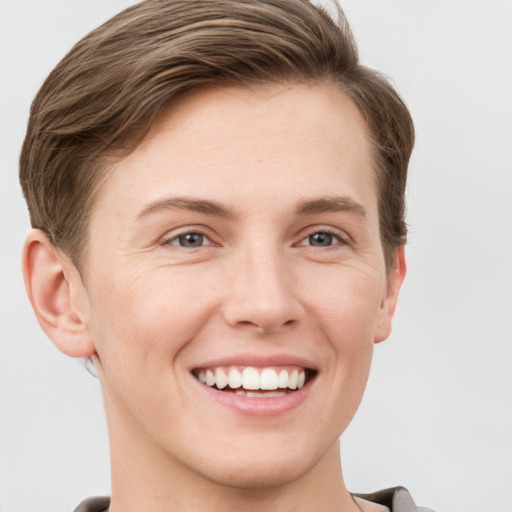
<point x="258" y="406"/>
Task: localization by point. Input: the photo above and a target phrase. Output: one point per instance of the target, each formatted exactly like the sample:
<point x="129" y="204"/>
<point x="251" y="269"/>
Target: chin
<point x="264" y="468"/>
<point x="266" y="476"/>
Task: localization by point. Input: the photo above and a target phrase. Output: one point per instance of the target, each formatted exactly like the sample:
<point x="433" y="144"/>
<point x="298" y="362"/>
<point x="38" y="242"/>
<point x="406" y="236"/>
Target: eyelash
<point x="340" y="240"/>
<point x="175" y="240"/>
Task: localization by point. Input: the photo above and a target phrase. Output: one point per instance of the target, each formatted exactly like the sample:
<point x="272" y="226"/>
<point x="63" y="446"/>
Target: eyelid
<point x="344" y="238"/>
<point x="174" y="234"/>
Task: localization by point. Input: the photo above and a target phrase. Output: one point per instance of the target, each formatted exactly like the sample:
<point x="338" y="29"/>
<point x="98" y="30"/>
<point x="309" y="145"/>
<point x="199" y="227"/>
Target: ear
<point x="388" y="305"/>
<point x="57" y="295"/>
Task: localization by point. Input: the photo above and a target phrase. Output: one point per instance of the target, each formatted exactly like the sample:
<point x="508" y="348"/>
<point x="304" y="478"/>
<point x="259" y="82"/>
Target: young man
<point x="217" y="196"/>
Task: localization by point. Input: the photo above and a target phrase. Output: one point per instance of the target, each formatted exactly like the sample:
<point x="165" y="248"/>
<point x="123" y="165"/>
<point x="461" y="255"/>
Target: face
<point x="238" y="248"/>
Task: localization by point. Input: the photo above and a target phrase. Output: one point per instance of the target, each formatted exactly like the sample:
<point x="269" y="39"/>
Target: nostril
<point x="246" y="322"/>
<point x="265" y="326"/>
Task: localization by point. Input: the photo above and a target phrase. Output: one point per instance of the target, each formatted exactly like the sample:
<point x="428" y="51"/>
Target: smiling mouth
<point x="255" y="382"/>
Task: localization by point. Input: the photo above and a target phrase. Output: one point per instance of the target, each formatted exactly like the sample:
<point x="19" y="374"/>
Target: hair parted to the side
<point x="100" y="100"/>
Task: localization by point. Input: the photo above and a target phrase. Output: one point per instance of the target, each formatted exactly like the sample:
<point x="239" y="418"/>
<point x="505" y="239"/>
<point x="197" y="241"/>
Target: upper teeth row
<point x="251" y="378"/>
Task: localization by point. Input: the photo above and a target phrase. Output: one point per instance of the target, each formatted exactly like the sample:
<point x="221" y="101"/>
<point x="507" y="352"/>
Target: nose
<point x="263" y="296"/>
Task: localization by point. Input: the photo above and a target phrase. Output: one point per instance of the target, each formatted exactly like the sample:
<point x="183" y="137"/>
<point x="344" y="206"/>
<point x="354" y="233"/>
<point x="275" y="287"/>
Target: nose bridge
<point x="262" y="296"/>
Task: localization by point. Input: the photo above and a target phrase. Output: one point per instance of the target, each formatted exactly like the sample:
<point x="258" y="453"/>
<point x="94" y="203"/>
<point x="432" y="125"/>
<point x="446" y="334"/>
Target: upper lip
<point x="258" y="361"/>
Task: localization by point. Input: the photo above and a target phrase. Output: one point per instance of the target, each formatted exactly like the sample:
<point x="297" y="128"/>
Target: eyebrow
<point x="209" y="207"/>
<point x="205" y="206"/>
<point x="330" y="204"/>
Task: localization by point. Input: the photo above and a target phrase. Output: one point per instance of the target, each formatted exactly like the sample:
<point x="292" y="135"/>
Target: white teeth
<point x="268" y="394"/>
<point x="210" y="378"/>
<point x="255" y="394"/>
<point x="292" y="380"/>
<point x="234" y="379"/>
<point x="275" y="393"/>
<point x="301" y="379"/>
<point x="282" y="379"/>
<point x="250" y="378"/>
<point x="268" y="379"/>
<point x="221" y="379"/>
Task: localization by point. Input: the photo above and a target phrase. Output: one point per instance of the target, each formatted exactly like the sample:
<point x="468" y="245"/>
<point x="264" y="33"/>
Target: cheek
<point x="346" y="306"/>
<point x="148" y="317"/>
<point x="346" y="301"/>
<point x="141" y="325"/>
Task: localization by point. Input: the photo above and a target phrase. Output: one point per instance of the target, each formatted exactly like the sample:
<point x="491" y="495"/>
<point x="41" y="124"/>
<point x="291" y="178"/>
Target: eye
<point x="190" y="240"/>
<point x="322" y="238"/>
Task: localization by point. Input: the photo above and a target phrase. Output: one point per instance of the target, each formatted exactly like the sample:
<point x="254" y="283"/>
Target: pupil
<point x="320" y="239"/>
<point x="191" y="240"/>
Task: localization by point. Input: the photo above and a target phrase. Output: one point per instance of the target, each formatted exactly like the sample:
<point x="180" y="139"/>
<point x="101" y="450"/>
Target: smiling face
<point x="238" y="248"/>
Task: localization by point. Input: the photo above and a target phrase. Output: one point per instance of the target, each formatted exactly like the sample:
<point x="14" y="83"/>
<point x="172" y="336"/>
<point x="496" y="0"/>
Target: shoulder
<point x="397" y="499"/>
<point x="98" y="504"/>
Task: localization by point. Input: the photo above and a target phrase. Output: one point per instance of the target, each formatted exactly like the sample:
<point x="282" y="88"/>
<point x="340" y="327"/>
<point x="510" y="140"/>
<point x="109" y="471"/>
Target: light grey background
<point x="437" y="416"/>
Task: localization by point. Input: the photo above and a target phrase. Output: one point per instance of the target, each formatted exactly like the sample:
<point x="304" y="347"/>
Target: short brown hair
<point x="102" y="97"/>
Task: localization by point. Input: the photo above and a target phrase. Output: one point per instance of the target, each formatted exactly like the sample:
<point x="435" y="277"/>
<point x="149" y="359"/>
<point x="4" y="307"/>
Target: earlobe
<point x="388" y="305"/>
<point x="52" y="283"/>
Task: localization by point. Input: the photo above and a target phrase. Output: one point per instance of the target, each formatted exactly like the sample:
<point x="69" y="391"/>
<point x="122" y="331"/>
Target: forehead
<point x="242" y="146"/>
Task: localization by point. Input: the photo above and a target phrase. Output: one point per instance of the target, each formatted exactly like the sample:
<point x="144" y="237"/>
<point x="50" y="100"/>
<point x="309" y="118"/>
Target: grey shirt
<point x="396" y="499"/>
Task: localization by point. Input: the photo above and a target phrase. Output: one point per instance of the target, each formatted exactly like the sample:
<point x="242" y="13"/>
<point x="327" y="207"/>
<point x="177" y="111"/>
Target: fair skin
<point x="242" y="232"/>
